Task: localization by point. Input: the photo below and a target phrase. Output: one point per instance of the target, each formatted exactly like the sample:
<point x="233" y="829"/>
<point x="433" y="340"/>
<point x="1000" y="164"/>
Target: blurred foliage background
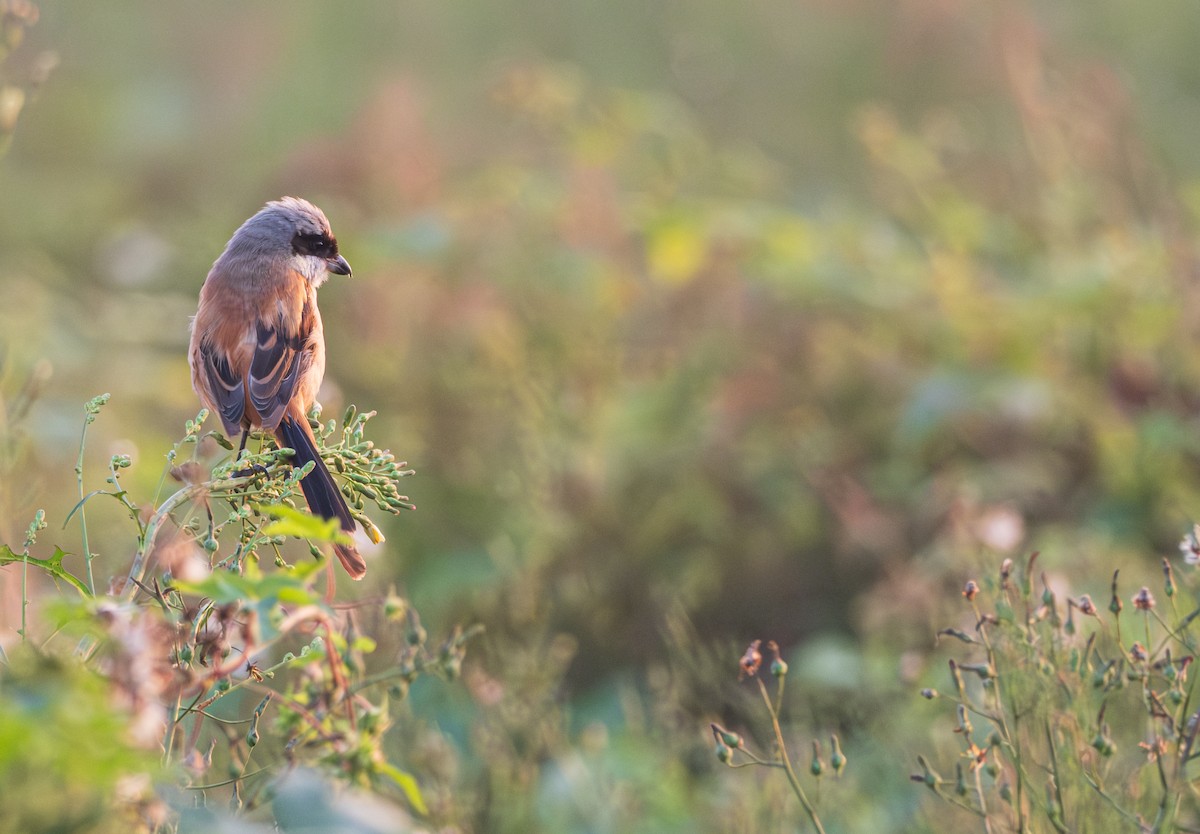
<point x="700" y="323"/>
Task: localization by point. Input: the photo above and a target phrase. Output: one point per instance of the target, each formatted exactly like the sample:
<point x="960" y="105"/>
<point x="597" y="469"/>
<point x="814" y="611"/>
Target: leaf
<point x="363" y="644"/>
<point x="303" y="525"/>
<point x="81" y="502"/>
<point x="261" y="593"/>
<point x="52" y="565"/>
<point x="412" y="791"/>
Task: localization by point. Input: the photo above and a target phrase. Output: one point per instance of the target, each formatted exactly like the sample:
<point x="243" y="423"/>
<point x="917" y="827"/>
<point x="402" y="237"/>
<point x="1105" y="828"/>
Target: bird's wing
<point x="279" y="360"/>
<point x="225" y="386"/>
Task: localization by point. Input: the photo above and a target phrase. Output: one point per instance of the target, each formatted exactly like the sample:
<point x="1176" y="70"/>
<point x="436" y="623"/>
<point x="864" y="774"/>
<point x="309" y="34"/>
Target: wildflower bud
<point x="185" y="654"/>
<point x="730" y="739"/>
<point x="725" y="739"/>
<point x="1104" y="744"/>
<point x="957" y="633"/>
<point x="724" y="754"/>
<point x="837" y="760"/>
<point x="929" y="694"/>
<point x="1006" y="791"/>
<point x="928" y="776"/>
<point x="252" y="736"/>
<point x="1086" y="606"/>
<point x="779" y="667"/>
<point x="1005" y="572"/>
<point x="1138" y="653"/>
<point x="817" y="767"/>
<point x="1143" y="600"/>
<point x="971" y="590"/>
<point x="1168" y="577"/>
<point x="223" y="685"/>
<point x="372" y="530"/>
<point x="964" y="721"/>
<point x="983" y="670"/>
<point x="959" y="687"/>
<point x="415" y="634"/>
<point x="394" y="607"/>
<point x="960" y="781"/>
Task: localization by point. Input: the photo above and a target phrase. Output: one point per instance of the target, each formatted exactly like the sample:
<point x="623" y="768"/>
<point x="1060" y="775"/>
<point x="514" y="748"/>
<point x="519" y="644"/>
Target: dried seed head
<point x="1086" y="606"/>
<point x="750" y="661"/>
<point x="971" y="590"/>
<point x="1137" y="653"/>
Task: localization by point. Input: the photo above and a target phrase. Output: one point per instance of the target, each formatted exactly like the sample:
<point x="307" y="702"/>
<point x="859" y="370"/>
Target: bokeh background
<point x="700" y="322"/>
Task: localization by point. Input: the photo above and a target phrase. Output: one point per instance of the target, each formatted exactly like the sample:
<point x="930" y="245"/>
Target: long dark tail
<point x="322" y="494"/>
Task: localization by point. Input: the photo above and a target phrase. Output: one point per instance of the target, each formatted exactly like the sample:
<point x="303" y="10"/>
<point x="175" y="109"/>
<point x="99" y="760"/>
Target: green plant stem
<point x="954" y="800"/>
<point x="981" y="798"/>
<point x="1165" y="813"/>
<point x="1132" y="818"/>
<point x="1059" y="824"/>
<point x="24" y="594"/>
<point x="797" y="788"/>
<point x="181" y="496"/>
<point x="999" y="720"/>
<point x="87" y="551"/>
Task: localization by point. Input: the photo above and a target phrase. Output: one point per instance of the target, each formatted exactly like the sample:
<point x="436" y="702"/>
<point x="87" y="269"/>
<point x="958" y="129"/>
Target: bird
<point x="257" y="351"/>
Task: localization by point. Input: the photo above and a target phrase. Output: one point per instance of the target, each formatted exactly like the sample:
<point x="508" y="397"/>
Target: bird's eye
<point x="313" y="244"/>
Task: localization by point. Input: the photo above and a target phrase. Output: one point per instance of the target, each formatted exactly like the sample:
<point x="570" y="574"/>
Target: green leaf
<point x="302" y="525"/>
<point x="263" y="594"/>
<point x="52" y="565"/>
<point x="363" y="644"/>
<point x="412" y="792"/>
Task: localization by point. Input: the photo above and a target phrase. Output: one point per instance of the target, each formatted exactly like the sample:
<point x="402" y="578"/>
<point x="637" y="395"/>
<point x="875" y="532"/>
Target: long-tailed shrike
<point x="258" y="350"/>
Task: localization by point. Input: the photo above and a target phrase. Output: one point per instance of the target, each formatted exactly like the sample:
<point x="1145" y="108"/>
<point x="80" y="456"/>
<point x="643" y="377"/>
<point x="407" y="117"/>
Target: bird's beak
<point x="338" y="265"/>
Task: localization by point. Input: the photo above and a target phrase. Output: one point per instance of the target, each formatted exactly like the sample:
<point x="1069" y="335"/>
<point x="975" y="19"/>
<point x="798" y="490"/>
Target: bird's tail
<point x="320" y="490"/>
